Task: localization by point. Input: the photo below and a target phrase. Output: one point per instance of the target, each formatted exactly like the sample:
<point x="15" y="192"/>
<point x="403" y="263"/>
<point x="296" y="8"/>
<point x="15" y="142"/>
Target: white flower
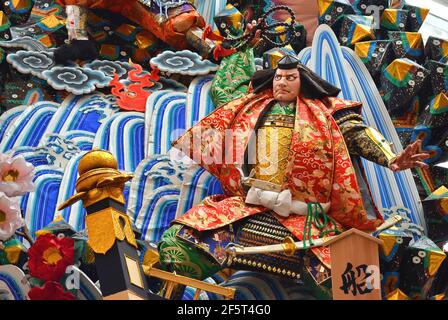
<point x="10" y="217"/>
<point x="16" y="176"/>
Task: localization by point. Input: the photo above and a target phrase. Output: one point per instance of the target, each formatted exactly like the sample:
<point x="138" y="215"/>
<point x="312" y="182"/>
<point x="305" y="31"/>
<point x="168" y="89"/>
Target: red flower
<point x="50" y="256"/>
<point x="51" y="290"/>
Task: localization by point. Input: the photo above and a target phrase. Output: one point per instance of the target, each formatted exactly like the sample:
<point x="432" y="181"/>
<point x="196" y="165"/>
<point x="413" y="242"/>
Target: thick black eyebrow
<point x="288" y="74"/>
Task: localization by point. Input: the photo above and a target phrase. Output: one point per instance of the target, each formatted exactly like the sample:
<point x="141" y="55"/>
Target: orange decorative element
<point x="319" y="167"/>
<point x="133" y="98"/>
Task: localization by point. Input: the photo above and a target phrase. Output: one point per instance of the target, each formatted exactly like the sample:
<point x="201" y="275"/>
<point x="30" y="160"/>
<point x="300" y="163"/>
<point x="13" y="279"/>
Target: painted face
<point x="286" y="85"/>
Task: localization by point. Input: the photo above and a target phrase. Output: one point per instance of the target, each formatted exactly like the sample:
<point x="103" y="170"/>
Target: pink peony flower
<point x="16" y="176"/>
<point x="10" y="217"/>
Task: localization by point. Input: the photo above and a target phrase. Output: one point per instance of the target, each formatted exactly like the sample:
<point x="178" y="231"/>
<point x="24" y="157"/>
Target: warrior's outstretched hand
<point x="410" y="158"/>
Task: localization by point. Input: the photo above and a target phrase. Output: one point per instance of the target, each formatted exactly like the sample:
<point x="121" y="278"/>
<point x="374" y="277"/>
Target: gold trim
<point x="134" y="273"/>
<point x="381" y="142"/>
<point x="105" y="227"/>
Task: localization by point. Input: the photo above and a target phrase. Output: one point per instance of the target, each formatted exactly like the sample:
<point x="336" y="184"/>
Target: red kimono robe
<point x="319" y="166"/>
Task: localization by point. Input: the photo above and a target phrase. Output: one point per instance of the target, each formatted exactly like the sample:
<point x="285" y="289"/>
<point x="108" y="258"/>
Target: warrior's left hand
<point x="410" y="158"/>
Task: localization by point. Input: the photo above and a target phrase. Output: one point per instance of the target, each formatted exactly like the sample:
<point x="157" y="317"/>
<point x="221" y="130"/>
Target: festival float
<point x="222" y="150"/>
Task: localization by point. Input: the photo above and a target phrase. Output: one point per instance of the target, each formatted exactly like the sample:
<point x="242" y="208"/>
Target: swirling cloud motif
<point x="109" y="68"/>
<point x="184" y="62"/>
<point x="76" y="80"/>
<point x="31" y="62"/>
<point x="27" y="43"/>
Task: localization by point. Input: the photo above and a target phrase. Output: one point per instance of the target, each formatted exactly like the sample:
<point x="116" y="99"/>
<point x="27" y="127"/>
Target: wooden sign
<point x="355" y="266"/>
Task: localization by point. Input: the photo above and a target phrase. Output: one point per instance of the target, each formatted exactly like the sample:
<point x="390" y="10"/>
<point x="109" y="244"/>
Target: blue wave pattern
<point x="154" y="195"/>
<point x="29" y="127"/>
<point x="165" y="109"/>
<point x="11" y="279"/>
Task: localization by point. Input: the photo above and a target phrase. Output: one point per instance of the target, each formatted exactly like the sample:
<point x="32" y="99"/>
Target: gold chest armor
<point x="273" y="146"/>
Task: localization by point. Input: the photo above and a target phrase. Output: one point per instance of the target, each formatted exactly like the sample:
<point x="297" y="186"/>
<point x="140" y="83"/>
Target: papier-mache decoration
<point x="10" y="217"/>
<point x="16" y="176"/>
<point x="420" y="264"/>
<point x="51" y="290"/>
<point x="5" y="24"/>
<point x="230" y="21"/>
<point x="13" y="284"/>
<point x="436" y="212"/>
<point x="133" y="97"/>
<point x="437" y="49"/>
<point x="330" y="11"/>
<point x="31" y="62"/>
<point x="376" y="55"/>
<point x="72" y="78"/>
<point x="366" y="7"/>
<point x="394" y="19"/>
<point x="183" y="62"/>
<point x="273" y="56"/>
<point x="436" y="83"/>
<point x="355" y="29"/>
<point x="416" y="17"/>
<point x="401" y="81"/>
<point x="27" y="43"/>
<point x="407" y="45"/>
<point x="18" y="11"/>
<point x="75" y="80"/>
<point x="50" y="256"/>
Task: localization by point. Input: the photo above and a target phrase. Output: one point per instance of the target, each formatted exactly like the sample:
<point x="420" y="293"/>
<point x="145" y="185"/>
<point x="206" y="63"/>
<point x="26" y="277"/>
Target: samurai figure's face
<point x="286" y="85"/>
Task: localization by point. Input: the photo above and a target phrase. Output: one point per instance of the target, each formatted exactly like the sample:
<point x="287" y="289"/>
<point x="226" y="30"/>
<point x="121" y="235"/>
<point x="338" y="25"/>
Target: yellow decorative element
<point x="89" y="255"/>
<point x="399" y="68"/>
<point x="10" y="175"/>
<point x="228" y="293"/>
<point x="440" y="101"/>
<point x="52" y="22"/>
<point x="48" y="41"/>
<point x="144" y="39"/>
<point x="435" y="260"/>
<point x="440" y="191"/>
<point x="20" y="4"/>
<point x="389" y="15"/>
<point x="289" y="246"/>
<point x="96" y="159"/>
<point x="98" y="179"/>
<point x="362" y="32"/>
<point x="2" y="216"/>
<point x="324" y="5"/>
<point x="397" y="294"/>
<point x="125" y="29"/>
<point x="362" y="49"/>
<point x="13" y="254"/>
<point x="424" y="13"/>
<point x="3" y="18"/>
<point x="273" y="147"/>
<point x="41" y="232"/>
<point x="105" y="227"/>
<point x="415" y="39"/>
<point x="135" y="276"/>
<point x="276" y="54"/>
<point x="439" y="297"/>
<point x="150" y="258"/>
<point x="379" y="140"/>
<point x="444" y="204"/>
<point x="52" y="256"/>
<point x="389" y="241"/>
